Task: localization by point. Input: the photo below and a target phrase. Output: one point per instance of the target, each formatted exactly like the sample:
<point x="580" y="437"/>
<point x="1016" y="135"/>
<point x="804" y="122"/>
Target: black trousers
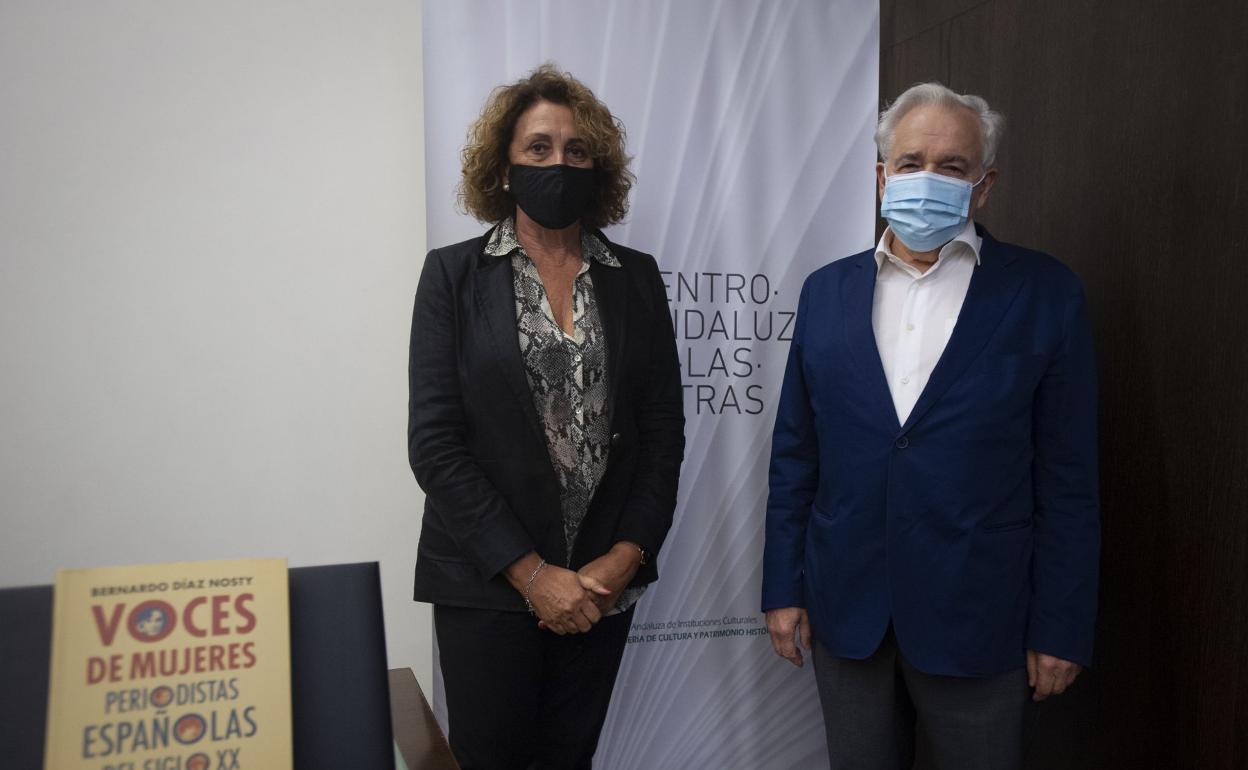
<point x="872" y="707"/>
<point x="521" y="698"/>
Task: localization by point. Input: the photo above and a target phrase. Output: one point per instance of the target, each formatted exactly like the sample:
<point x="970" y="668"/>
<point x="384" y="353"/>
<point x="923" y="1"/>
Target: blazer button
<point x="903" y="442"/>
<point x="616" y="439"/>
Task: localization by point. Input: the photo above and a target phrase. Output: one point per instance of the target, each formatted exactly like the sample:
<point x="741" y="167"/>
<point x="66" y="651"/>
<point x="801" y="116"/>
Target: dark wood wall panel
<point x="1126" y="156"/>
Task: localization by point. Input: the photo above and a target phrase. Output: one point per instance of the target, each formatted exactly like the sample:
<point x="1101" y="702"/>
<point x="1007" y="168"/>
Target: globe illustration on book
<point x="151" y="621"/>
<point x="162" y="696"/>
<point x="189" y="728"/>
<point x="198" y="761"/>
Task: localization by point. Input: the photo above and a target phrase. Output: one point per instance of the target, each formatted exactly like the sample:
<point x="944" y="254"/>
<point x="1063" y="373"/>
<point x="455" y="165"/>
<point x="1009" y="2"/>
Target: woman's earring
<point x="506" y="186"/>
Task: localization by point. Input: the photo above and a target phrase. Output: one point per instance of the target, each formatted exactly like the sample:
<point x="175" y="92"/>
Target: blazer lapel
<point x="496" y="301"/>
<point x="993" y="288"/>
<point x="611" y="295"/>
<point x="858" y="298"/>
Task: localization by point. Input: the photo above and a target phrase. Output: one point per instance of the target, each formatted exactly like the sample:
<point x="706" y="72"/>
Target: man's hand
<point x="612" y="571"/>
<point x="786" y="625"/>
<point x="1048" y="675"/>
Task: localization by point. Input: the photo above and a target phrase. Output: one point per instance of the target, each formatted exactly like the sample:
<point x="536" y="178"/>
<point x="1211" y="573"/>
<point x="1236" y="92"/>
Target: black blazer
<point x="479" y="451"/>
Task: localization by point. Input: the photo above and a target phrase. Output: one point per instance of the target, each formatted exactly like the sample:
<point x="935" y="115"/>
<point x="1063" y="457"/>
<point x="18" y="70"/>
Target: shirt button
<point x="905" y="380"/>
<point x="909" y="327"/>
<point x="903" y="442"/>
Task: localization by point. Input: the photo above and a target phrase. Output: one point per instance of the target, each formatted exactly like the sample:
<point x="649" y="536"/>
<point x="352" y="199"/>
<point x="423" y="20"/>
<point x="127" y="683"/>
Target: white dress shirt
<point x="913" y="313"/>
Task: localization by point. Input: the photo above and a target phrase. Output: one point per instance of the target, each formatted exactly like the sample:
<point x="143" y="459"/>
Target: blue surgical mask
<point x="926" y="210"/>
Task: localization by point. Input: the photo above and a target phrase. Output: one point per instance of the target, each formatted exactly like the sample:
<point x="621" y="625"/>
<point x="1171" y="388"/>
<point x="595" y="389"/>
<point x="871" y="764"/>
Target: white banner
<point x="750" y="122"/>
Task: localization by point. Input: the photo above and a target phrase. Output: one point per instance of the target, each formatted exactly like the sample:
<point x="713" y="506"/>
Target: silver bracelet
<point x="528" y="604"/>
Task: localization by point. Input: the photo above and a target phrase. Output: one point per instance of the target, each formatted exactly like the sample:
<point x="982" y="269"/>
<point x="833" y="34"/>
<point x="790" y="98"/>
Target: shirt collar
<point x="968" y="239"/>
<point x="504" y="242"/>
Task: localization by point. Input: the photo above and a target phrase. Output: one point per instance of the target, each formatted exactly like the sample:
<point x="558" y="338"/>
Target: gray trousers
<point x="872" y="709"/>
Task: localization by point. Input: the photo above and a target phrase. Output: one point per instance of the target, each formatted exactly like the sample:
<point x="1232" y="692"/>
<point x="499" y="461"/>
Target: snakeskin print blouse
<point x="567" y="375"/>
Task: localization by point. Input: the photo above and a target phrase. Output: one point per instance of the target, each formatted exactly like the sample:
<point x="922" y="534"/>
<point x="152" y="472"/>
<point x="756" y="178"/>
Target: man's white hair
<point x="991" y="123"/>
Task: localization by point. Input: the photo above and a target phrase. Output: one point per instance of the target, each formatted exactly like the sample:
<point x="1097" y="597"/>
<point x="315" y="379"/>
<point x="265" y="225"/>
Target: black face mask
<point x="552" y="196"/>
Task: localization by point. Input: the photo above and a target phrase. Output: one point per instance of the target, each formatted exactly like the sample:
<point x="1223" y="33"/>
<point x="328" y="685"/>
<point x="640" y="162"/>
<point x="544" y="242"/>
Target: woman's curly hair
<point x="484" y="157"/>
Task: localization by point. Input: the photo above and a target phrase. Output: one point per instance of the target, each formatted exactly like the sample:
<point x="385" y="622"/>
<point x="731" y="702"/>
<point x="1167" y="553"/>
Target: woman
<point x="546" y="429"/>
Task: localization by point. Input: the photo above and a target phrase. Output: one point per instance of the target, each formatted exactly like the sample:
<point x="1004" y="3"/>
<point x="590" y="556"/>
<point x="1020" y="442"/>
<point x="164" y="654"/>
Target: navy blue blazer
<point x="974" y="527"/>
<point x="478" y="448"/>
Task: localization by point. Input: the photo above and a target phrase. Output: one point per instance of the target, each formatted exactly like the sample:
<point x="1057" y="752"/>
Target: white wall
<point x="211" y="227"/>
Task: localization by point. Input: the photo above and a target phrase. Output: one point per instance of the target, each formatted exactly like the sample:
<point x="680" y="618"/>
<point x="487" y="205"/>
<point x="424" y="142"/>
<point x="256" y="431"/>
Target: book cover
<point x="180" y="666"/>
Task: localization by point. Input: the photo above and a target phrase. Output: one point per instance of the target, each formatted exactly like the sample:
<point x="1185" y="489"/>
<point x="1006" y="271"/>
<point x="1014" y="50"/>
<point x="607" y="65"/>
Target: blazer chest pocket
<point x="1011" y="374"/>
<point x="1024" y="362"/>
<point x="1007" y="526"/>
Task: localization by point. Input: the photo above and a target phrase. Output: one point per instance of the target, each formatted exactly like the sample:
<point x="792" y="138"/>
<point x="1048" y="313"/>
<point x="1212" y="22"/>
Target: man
<point x="933" y="523"/>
